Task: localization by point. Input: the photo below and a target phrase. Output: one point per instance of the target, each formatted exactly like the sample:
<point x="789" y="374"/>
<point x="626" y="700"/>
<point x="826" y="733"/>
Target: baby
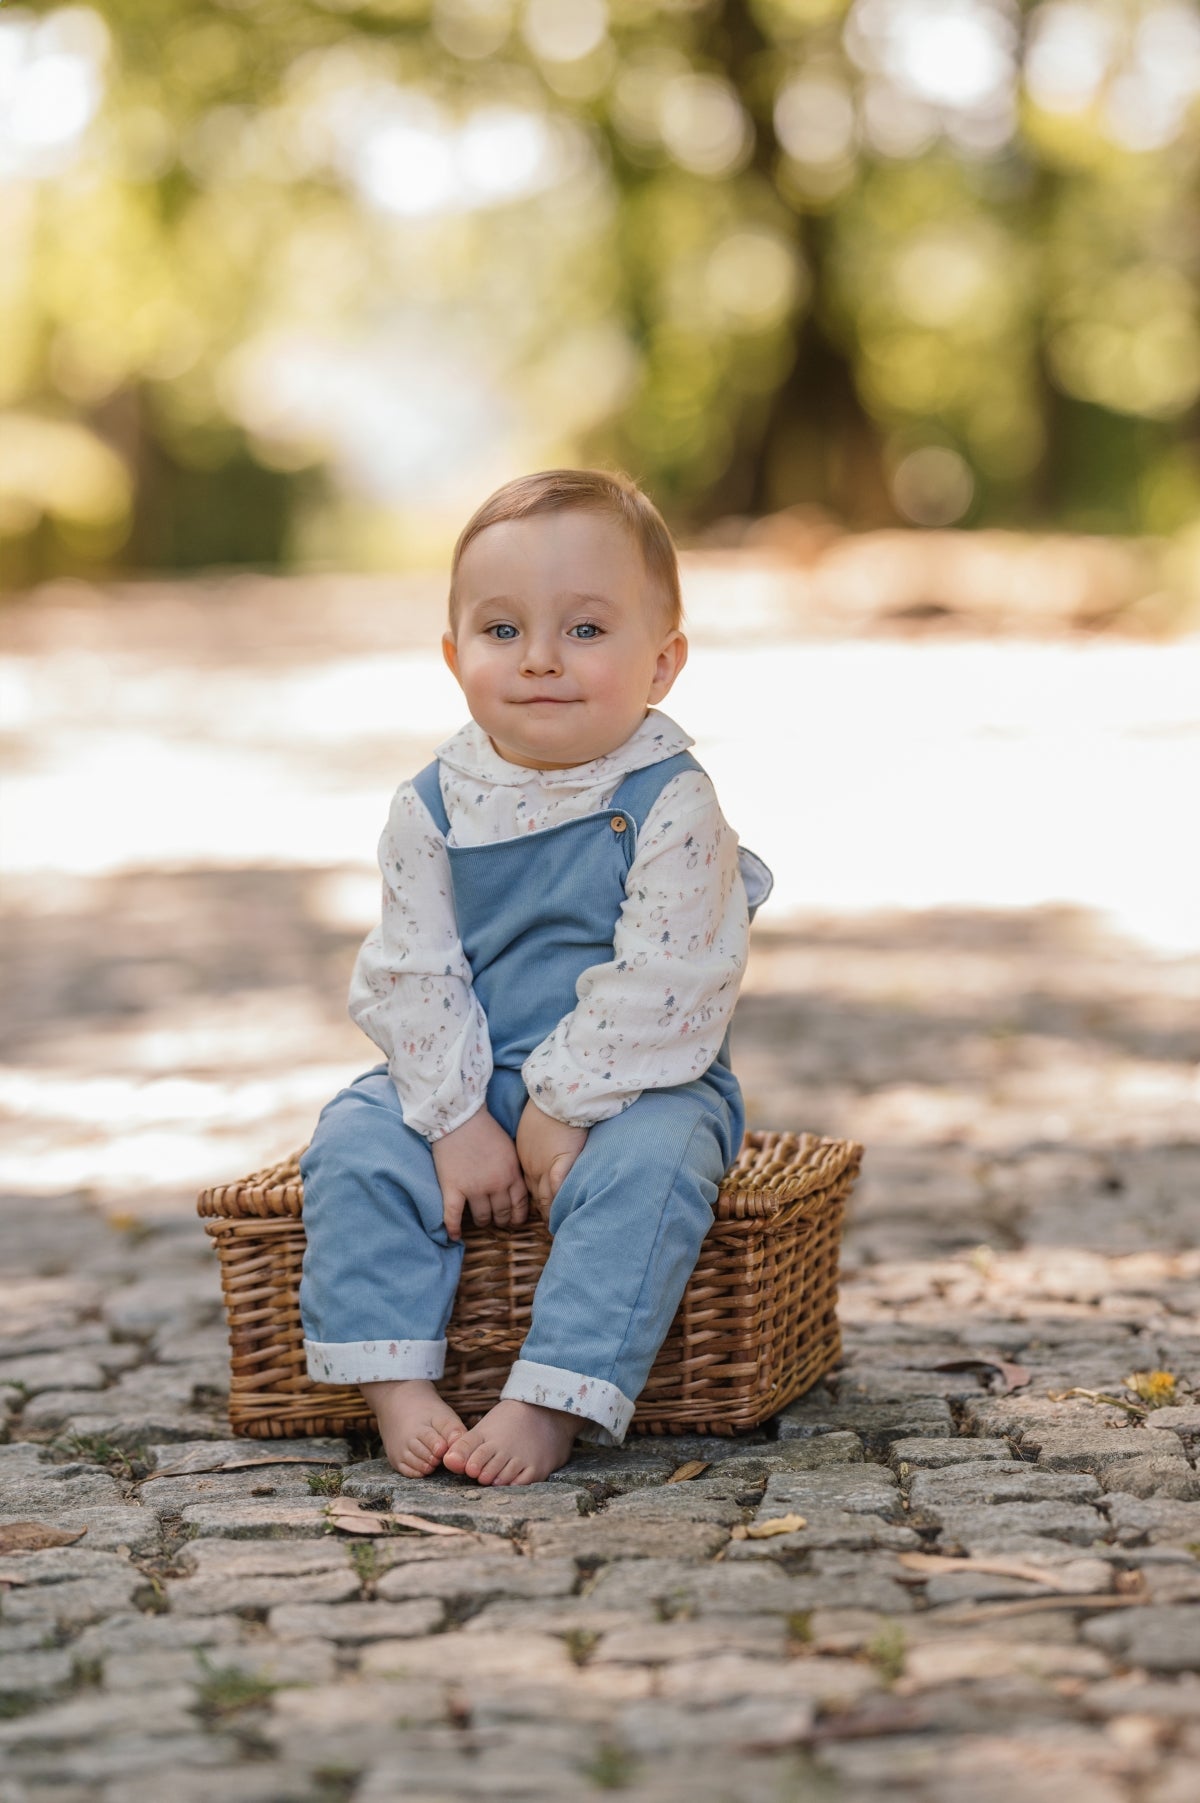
<point x="564" y="930"/>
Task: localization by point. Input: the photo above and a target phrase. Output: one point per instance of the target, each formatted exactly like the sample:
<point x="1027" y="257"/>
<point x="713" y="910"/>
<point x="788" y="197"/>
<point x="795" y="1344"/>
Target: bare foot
<point x="515" y="1443"/>
<point x="417" y="1426"/>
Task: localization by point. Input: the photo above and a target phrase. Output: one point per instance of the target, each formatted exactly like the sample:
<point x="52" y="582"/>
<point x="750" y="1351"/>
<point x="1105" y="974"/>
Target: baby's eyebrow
<point x="573" y="597"/>
<point x="600" y="603"/>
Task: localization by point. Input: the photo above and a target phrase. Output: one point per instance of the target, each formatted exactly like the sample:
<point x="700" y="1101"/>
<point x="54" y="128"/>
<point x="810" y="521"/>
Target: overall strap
<point x="428" y="785"/>
<point x="642" y="788"/>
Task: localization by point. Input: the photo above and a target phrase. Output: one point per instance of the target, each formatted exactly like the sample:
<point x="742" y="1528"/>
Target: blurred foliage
<point x="299" y="280"/>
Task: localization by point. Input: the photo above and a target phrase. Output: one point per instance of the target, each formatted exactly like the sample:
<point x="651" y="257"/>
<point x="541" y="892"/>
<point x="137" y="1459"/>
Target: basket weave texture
<point x="757" y="1325"/>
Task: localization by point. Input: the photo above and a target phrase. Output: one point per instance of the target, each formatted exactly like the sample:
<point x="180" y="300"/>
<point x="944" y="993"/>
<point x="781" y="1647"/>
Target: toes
<point x="484" y="1463"/>
<point x="460" y="1451"/>
<point x="413" y="1463"/>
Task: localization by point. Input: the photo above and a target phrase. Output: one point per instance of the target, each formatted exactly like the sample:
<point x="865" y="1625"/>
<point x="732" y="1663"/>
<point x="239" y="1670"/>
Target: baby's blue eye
<point x="586" y="629"/>
<point x="504" y="631"/>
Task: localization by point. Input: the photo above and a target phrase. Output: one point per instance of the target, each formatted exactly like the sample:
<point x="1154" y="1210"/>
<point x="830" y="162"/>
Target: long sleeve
<point x="411" y="989"/>
<point x="654" y="1016"/>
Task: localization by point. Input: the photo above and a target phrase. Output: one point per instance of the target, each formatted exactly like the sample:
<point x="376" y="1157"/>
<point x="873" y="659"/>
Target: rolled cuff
<point x="605" y="1409"/>
<point x="373" y="1361"/>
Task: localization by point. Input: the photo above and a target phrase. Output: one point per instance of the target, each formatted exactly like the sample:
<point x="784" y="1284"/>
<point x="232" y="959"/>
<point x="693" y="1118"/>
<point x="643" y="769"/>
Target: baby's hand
<point x="547" y="1149"/>
<point x="478" y="1168"/>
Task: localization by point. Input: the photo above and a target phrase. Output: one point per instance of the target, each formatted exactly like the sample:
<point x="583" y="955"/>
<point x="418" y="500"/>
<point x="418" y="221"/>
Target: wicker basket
<point x="757" y="1325"/>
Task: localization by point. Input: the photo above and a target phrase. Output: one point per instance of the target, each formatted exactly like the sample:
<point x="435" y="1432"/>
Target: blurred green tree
<point x="297" y="280"/>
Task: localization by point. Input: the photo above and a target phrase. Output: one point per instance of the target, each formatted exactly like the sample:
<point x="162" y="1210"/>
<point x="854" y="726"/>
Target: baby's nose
<point x="541" y="654"/>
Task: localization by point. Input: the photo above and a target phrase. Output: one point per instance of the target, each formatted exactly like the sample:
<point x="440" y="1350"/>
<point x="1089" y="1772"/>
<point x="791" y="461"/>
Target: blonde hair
<point x="595" y="491"/>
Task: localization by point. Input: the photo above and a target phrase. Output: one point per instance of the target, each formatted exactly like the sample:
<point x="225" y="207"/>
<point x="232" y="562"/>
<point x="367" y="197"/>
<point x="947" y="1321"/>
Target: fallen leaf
<point x="32" y="1536"/>
<point x="188" y="1468"/>
<point x="1099" y="1396"/>
<point x="766" y="1530"/>
<point x="348" y="1513"/>
<point x="1012" y="1377"/>
<point x="996" y="1568"/>
<point x="1041" y="1605"/>
<point x="879" y="1719"/>
<point x="693" y="1468"/>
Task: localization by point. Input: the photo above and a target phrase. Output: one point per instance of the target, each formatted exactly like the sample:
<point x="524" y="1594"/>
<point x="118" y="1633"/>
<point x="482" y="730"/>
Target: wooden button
<point x="618" y="825"/>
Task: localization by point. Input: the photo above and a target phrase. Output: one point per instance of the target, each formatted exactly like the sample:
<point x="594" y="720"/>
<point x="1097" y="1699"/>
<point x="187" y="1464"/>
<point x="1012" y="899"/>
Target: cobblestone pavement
<point x="996" y="1586"/>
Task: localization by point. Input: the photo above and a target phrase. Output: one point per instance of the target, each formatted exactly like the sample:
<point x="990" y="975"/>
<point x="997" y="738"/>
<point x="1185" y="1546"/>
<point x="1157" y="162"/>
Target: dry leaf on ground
<point x="1102" y="1397"/>
<point x="766" y="1530"/>
<point x="1012" y="1377"/>
<point x="33" y="1536"/>
<point x="348" y="1513"/>
<point x="929" y="1563"/>
<point x="693" y="1468"/>
<point x="193" y="1468"/>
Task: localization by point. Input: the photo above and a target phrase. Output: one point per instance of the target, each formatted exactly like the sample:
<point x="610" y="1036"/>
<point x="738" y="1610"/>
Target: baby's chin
<point x="561" y="749"/>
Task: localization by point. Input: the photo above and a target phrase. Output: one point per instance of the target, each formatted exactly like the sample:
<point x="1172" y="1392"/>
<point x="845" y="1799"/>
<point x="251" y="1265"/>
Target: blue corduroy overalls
<point x="380" y="1271"/>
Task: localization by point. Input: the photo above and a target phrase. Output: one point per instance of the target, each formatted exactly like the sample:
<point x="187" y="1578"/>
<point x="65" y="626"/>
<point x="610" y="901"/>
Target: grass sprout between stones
<point x="610" y="1768"/>
<point x="224" y="1690"/>
<point x="326" y="1483"/>
<point x="886" y="1651"/>
<point x="128" y="1462"/>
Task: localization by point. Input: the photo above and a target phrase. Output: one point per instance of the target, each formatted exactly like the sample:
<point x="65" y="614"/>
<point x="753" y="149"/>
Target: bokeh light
<point x="563" y="31"/>
<point x="814" y="119"/>
<point x="932" y="486"/>
<point x="703" y="125"/>
<point x="51" y="84"/>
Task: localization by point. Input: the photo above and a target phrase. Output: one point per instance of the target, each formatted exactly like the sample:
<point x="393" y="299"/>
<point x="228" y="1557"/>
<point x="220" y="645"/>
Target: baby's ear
<point x="672" y="656"/>
<point x="450" y="653"/>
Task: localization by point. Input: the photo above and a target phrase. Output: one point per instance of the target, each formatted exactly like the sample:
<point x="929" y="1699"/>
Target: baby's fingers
<point x="501" y="1204"/>
<point x="481" y="1210"/>
<point x="453" y="1204"/>
<point x="518" y="1195"/>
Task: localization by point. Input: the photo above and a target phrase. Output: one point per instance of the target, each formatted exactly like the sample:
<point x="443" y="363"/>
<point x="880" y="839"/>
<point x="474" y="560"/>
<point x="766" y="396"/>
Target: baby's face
<point x="560" y="645"/>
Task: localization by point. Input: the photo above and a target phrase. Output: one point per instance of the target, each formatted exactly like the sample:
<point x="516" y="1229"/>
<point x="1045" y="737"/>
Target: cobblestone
<point x="1161" y="1638"/>
<point x="1157" y="1521"/>
<point x="303" y="1662"/>
<point x="352" y="1623"/>
<point x="118" y="1528"/>
<point x="878" y="1423"/>
<point x="1150" y="1476"/>
<point x="997" y="1481"/>
<point x="1026" y="1227"/>
<point x="593" y="1541"/>
<point x="854" y="1489"/>
<point x="32" y="1673"/>
<point x="477" y="1578"/>
<point x="999" y="1527"/>
<point x="932" y="1455"/>
<point x="256" y="1520"/>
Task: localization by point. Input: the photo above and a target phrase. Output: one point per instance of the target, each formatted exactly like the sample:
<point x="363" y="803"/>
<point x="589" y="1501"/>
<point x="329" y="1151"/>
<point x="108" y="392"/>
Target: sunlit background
<point x="296" y="283"/>
<point x="893" y="307"/>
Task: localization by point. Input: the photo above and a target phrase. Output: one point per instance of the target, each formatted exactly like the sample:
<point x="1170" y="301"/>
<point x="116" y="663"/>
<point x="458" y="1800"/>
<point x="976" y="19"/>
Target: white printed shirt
<point x="652" y="1017"/>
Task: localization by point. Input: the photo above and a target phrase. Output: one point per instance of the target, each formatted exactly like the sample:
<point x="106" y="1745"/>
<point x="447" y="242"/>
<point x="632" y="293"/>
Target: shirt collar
<point x="469" y="753"/>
